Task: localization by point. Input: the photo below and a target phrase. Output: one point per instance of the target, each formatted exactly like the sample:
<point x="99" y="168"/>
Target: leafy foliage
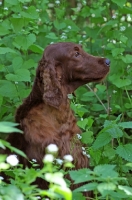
<point x="104" y="29"/>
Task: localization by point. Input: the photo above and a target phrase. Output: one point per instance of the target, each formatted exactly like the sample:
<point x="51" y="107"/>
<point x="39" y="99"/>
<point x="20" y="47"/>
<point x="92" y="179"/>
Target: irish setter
<point x="45" y="115"/>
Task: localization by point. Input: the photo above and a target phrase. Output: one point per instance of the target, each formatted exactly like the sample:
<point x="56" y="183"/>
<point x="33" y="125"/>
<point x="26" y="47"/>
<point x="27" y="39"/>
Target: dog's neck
<point x="35" y="99"/>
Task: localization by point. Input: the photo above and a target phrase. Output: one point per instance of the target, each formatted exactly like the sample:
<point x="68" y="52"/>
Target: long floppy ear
<point x="52" y="94"/>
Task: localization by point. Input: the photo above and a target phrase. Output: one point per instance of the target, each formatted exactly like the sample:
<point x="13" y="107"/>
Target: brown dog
<point x="45" y="115"/>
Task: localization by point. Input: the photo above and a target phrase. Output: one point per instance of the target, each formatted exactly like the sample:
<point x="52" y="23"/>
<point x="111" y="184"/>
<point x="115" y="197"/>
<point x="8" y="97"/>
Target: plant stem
<point x="98" y="98"/>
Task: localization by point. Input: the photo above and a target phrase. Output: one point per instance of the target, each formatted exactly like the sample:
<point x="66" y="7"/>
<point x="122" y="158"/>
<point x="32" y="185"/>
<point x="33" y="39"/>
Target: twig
<point x="97" y="98"/>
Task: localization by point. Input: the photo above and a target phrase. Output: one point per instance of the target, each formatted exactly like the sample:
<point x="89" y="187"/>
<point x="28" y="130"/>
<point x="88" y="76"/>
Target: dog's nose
<point x="107" y="62"/>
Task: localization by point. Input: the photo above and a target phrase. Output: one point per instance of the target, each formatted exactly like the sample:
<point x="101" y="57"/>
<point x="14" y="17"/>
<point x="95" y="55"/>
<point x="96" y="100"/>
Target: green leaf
<point x="101" y="140"/>
<point x="119" y="3"/>
<point x="97" y="107"/>
<point x="13" y="149"/>
<point x="20" y="75"/>
<point x="7" y="127"/>
<point x="23" y="42"/>
<point x="14" y="2"/>
<point x="109" y="152"/>
<point x="30" y="13"/>
<point x="126" y="189"/>
<point x="78" y="196"/>
<point x="87" y="137"/>
<point x="123" y="39"/>
<point x="125" y="151"/>
<point x="106" y="171"/>
<point x="3" y="30"/>
<point x="87" y="187"/>
<point x="115" y="131"/>
<point x="24" y="1"/>
<point x="12" y="192"/>
<point x="5" y="91"/>
<point x="29" y="64"/>
<point x="52" y="36"/>
<point x="125" y="124"/>
<point x="117" y="51"/>
<point x="127" y="58"/>
<point x="4" y="50"/>
<point x="58" y="25"/>
<point x="18" y="24"/>
<point x="17" y="63"/>
<point x="82" y="124"/>
<point x="103" y="188"/>
<point x="36" y="48"/>
<point x="116" y="80"/>
<point x="17" y="151"/>
<point x="81" y="175"/>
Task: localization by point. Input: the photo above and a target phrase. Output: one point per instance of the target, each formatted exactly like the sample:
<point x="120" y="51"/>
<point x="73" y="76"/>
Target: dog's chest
<point x="43" y="122"/>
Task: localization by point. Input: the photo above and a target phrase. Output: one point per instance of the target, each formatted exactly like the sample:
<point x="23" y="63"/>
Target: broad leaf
<point x="101" y="140"/>
<point x="125" y="151"/>
<point x="81" y="175"/>
<point x="125" y="124"/>
<point x="103" y="188"/>
<point x="106" y="171"/>
<point x="24" y="41"/>
<point x="7" y="127"/>
<point x="4" y="50"/>
<point x="126" y="189"/>
<point x="119" y="3"/>
<point x="7" y="89"/>
<point x="87" y="187"/>
<point x="20" y="75"/>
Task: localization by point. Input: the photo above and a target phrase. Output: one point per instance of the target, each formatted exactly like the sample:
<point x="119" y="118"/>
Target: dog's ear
<point x="50" y="84"/>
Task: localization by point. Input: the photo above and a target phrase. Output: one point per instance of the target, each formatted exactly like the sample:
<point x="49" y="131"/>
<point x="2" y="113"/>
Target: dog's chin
<point x="95" y="79"/>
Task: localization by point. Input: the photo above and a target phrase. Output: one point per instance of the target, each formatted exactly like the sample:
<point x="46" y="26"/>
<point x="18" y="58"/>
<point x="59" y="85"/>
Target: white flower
<point x="48" y="158"/>
<point x="105" y="19"/>
<point x="63" y="37"/>
<point x="68" y="158"/>
<point x="59" y="161"/>
<point x="114" y="91"/>
<point x="122" y="28"/>
<point x="52" y="148"/>
<point x="129" y="18"/>
<point x="79" y="136"/>
<point x="1" y="178"/>
<point x="83" y="148"/>
<point x="93" y="15"/>
<point x="5" y="8"/>
<point x="84" y="152"/>
<point x="123" y="18"/>
<point x="84" y="2"/>
<point x="114" y="41"/>
<point x="12" y="160"/>
<point x="88" y="155"/>
<point x="114" y="16"/>
<point x="69" y="27"/>
<point x="34" y="160"/>
<point x="57" y="2"/>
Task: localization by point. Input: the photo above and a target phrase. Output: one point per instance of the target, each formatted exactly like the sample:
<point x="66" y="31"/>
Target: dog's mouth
<point x="95" y="79"/>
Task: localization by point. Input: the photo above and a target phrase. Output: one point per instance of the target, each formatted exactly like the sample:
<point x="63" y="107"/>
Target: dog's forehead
<point x="57" y="50"/>
<point x="63" y="46"/>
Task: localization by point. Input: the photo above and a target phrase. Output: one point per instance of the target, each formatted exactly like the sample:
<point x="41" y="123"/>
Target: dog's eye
<point x="77" y="54"/>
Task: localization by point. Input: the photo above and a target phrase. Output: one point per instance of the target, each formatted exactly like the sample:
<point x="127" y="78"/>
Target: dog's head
<point x="66" y="66"/>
